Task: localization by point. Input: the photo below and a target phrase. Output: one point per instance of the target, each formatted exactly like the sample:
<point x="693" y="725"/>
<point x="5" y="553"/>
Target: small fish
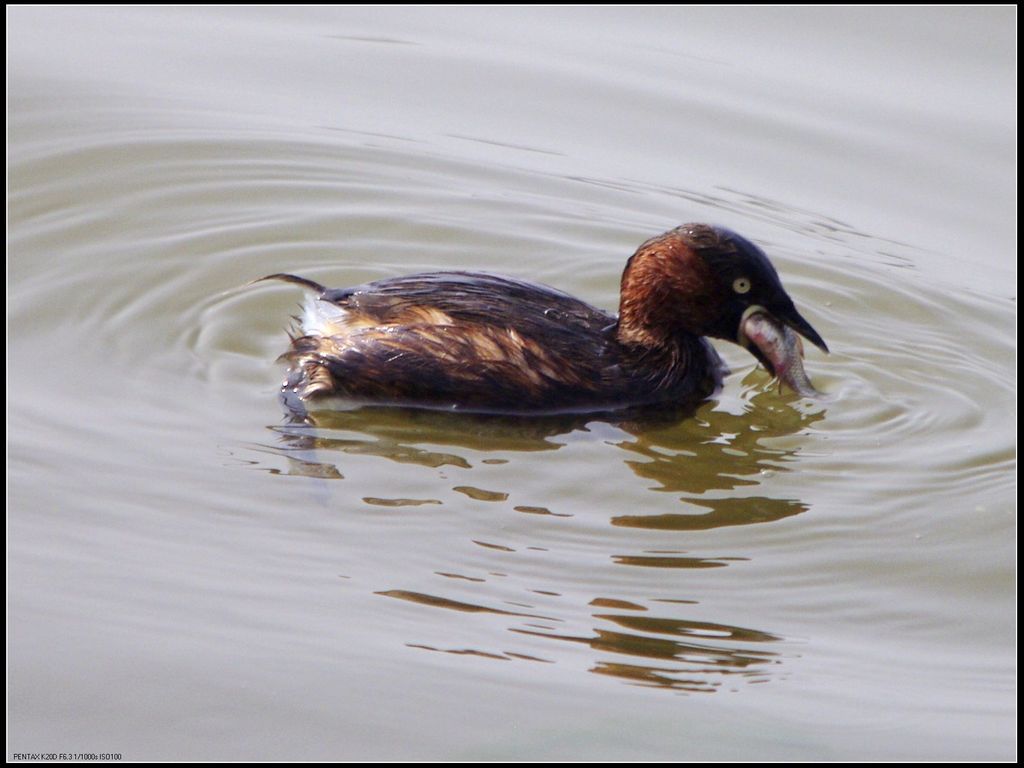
<point x="781" y="352"/>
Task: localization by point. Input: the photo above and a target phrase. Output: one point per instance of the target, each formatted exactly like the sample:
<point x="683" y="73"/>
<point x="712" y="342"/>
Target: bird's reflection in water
<point x="709" y="458"/>
<point x="704" y="455"/>
<point x="671" y="653"/>
<point x="680" y="654"/>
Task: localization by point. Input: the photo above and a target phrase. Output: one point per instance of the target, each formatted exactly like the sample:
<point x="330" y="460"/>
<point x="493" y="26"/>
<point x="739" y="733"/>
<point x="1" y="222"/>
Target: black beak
<point x="793" y="319"/>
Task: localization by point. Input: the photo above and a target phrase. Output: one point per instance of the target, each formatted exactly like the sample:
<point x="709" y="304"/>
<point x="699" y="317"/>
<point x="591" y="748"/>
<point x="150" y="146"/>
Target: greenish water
<point x="190" y="576"/>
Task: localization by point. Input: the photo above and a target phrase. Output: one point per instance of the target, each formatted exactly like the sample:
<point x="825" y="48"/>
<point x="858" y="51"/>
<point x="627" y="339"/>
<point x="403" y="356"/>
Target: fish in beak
<point x="772" y="339"/>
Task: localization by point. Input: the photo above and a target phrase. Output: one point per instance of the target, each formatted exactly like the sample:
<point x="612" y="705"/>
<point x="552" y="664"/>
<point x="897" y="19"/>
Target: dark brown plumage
<point x="483" y="342"/>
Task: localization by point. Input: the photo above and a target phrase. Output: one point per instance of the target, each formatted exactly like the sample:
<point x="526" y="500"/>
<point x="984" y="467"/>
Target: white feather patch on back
<point x="322" y="318"/>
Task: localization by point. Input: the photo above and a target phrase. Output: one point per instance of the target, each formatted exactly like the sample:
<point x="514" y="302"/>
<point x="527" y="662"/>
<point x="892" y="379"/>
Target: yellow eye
<point x="741" y="285"/>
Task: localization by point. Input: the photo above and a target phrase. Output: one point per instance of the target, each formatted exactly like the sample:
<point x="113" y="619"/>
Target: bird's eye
<point x="741" y="284"/>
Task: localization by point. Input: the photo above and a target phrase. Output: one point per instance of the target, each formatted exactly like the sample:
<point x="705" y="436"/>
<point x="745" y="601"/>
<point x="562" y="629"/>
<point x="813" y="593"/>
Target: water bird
<point x="475" y="341"/>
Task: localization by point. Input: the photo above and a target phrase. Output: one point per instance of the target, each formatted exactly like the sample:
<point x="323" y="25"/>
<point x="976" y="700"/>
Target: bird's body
<point x="476" y="341"/>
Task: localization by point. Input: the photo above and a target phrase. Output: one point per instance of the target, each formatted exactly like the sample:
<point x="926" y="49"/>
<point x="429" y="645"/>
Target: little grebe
<point x="481" y="342"/>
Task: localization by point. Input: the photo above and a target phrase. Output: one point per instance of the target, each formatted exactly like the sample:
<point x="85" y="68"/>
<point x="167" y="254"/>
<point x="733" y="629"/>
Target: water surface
<point x="191" y="575"/>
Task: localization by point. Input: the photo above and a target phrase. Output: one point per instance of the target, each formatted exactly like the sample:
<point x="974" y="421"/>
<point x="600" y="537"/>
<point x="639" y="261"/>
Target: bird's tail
<point x="305" y="282"/>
